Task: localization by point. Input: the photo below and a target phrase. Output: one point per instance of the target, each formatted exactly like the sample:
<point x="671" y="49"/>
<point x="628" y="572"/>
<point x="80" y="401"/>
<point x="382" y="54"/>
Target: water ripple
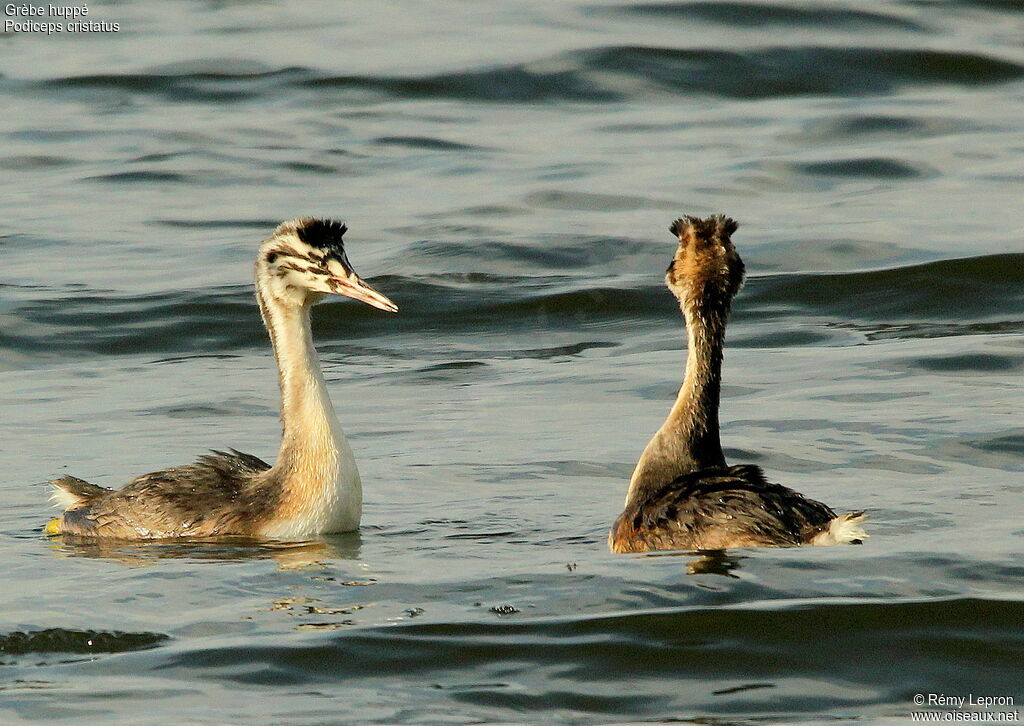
<point x="758" y="15"/>
<point x="914" y="301"/>
<point x="595" y="75"/>
<point x="60" y="640"/>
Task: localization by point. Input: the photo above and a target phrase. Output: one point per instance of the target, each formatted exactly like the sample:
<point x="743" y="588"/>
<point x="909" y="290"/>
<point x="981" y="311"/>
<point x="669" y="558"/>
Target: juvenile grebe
<point x="314" y="487"/>
<point x="682" y="495"/>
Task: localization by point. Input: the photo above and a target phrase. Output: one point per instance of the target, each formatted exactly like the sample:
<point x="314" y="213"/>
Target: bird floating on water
<point x="314" y="487"/>
<point x="683" y="495"/>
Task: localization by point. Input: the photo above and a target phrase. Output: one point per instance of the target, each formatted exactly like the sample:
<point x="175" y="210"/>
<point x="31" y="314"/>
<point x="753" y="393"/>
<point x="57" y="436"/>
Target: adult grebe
<point x="682" y="495"/>
<point x="314" y="487"/>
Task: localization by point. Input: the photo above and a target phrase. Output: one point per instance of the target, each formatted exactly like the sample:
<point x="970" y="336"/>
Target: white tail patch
<point x="844" y="529"/>
<point x="61" y="497"/>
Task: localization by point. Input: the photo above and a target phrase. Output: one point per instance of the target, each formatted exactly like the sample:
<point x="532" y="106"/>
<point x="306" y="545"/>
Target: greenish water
<point x="508" y="173"/>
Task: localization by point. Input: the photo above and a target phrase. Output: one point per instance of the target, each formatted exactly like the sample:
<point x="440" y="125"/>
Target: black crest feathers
<point x="717" y="226"/>
<point x="323" y="233"/>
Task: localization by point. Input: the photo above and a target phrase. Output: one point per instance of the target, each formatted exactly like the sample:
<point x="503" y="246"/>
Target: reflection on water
<point x="714" y="563"/>
<point x="287" y="555"/>
<point x="710" y="562"/>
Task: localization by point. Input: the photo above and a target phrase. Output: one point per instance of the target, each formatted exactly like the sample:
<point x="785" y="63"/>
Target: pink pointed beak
<point x="354" y="287"/>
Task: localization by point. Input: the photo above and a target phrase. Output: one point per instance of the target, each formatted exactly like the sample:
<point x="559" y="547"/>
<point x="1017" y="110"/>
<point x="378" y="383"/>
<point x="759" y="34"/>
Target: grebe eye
<point x="271" y="257"/>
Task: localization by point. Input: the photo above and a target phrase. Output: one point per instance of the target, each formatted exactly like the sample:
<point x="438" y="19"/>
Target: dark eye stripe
<point x="317" y="258"/>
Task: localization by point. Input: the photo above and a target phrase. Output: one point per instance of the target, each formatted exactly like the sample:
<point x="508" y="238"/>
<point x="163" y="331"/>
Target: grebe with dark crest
<point x="683" y="495"/>
<point x="314" y="487"/>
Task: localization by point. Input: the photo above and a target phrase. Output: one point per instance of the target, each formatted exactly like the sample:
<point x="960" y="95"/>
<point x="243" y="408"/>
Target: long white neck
<point x="320" y="490"/>
<point x="689" y="438"/>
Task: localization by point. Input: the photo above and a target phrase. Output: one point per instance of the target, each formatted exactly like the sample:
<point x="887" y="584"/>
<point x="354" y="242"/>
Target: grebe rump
<point x="314" y="486"/>
<point x="682" y="495"/>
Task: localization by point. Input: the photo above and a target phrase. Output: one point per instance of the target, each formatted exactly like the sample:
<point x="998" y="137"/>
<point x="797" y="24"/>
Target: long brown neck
<point x="689" y="438"/>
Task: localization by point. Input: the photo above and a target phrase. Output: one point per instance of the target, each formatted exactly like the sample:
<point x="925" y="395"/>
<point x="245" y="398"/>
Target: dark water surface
<point x="509" y="172"/>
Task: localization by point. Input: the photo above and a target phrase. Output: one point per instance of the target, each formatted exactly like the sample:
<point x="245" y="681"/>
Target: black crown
<point x="326" y="234"/>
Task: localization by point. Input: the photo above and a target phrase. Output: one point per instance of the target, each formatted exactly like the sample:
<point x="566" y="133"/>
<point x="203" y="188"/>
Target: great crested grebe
<point x="682" y="495"/>
<point x="314" y="486"/>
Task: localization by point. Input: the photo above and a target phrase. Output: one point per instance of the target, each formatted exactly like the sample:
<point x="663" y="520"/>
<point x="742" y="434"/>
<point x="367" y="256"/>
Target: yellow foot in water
<point x="52" y="527"/>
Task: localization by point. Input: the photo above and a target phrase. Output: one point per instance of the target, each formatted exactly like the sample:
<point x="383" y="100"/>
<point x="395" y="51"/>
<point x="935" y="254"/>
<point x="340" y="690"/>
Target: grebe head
<point x="305" y="259"/>
<point x="706" y="268"/>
